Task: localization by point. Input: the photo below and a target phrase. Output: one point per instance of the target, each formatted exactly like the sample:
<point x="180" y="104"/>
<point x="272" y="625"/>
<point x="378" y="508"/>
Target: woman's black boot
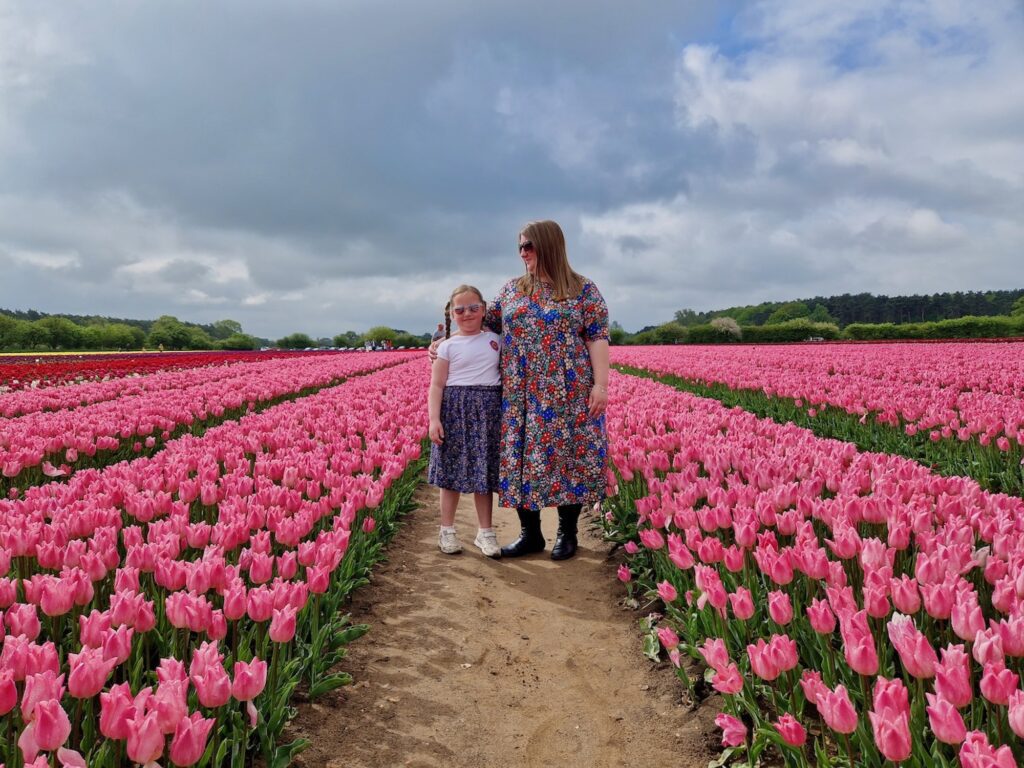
<point x="565" y="541"/>
<point x="530" y="538"/>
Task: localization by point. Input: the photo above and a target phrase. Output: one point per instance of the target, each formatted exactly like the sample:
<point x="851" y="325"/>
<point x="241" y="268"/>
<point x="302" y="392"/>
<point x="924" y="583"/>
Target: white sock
<point x="486" y="530"/>
<point x="448" y="528"/>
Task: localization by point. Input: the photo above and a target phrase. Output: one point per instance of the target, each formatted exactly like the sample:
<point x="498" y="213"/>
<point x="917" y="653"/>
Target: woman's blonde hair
<point x="552" y="261"/>
<point x="448" y="307"/>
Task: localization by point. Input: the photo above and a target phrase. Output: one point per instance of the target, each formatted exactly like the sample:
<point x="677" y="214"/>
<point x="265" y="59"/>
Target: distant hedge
<point x="970" y="327"/>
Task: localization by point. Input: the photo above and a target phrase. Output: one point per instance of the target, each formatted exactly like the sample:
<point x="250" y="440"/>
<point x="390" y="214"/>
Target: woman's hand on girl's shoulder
<point x="432" y="349"/>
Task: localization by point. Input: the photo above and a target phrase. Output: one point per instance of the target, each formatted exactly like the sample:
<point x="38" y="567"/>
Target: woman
<point x="554" y="375"/>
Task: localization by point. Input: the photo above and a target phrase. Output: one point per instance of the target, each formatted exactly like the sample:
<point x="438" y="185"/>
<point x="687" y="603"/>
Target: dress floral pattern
<point x="552" y="451"/>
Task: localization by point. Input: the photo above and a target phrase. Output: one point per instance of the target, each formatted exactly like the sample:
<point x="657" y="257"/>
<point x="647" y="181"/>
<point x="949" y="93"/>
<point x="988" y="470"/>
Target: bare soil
<point x="517" y="662"/>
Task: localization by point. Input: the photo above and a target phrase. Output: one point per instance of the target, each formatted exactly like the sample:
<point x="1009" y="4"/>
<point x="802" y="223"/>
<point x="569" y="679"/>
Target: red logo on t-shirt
<point x="494" y="345"/>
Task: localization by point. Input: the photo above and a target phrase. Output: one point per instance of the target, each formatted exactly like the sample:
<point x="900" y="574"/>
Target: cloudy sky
<point x="325" y="165"/>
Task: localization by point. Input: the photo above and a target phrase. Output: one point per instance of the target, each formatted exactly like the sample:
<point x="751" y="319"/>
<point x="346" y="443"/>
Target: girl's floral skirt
<point x="467" y="461"/>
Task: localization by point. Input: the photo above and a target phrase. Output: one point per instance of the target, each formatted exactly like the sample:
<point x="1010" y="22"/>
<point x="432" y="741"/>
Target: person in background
<point x="439" y="333"/>
<point x="464" y="407"/>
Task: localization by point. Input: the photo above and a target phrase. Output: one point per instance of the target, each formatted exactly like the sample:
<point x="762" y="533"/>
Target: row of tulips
<point x="50" y="444"/>
<point x="945" y="391"/>
<point x="850" y="607"/>
<point x="168" y="607"/>
<point x="994" y="469"/>
<point x="46" y="371"/>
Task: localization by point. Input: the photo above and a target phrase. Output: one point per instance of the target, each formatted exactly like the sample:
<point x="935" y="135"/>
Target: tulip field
<point x="850" y="607"/>
<point x="177" y="545"/>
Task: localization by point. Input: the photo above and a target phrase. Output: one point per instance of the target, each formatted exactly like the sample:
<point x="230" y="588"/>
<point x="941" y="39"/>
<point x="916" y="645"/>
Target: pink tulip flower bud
<point x="905" y="596"/>
<point x="117" y="707"/>
<point x="89" y="672"/>
<point x="998" y="682"/>
<point x="714" y="653"/>
<point x="953" y="676"/>
<point x="734" y="732"/>
<point x="820" y="616"/>
<point x="812" y="685"/>
<point x="52" y="726"/>
<point x="977" y="752"/>
<point x="8" y="692"/>
<point x="249" y="679"/>
<point x="837" y="710"/>
<point x="667" y="592"/>
<point x="624" y="574"/>
<point x="728" y="680"/>
<point x="190" y="737"/>
<point x="742" y="603"/>
<point x="945" y="721"/>
<point x="282" y="626"/>
<point x="667" y="637"/>
<point x="779" y="607"/>
<point x="41" y="686"/>
<point x="1015" y="714"/>
<point x="791" y="731"/>
<point x="145" y="739"/>
<point x="916" y="653"/>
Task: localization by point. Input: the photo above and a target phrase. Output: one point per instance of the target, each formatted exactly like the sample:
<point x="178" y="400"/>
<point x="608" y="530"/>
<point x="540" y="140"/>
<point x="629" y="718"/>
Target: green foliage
<point x="791" y="310"/>
<point x="168" y="332"/>
<point x="669" y="333"/>
<point x="348" y="339"/>
<point x="404" y="339"/>
<point x="238" y="341"/>
<point x="959" y="328"/>
<point x="1018" y="308"/>
<point x="296" y="341"/>
<point x="225" y="329"/>
<point x="381" y="333"/>
<point x="801" y="329"/>
<point x="617" y="334"/>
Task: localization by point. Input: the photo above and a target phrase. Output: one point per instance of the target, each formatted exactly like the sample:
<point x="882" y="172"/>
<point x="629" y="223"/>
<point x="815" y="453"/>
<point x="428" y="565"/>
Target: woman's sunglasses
<point x="471" y="308"/>
<point x="526" y="246"/>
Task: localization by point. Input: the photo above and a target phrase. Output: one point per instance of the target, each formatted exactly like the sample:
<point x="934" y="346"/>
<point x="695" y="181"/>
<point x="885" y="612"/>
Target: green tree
<point x="820" y="315"/>
<point x="169" y="332"/>
<point x="381" y="333"/>
<point x="295" y="341"/>
<point x="791" y="310"/>
<point x="617" y="334"/>
<point x="198" y="338"/>
<point x="222" y="329"/>
<point x="61" y="332"/>
<point x="348" y="339"/>
<point x="239" y="341"/>
<point x="12" y="332"/>
<point x="687" y="317"/>
<point x="669" y="333"/>
<point x="1018" y="308"/>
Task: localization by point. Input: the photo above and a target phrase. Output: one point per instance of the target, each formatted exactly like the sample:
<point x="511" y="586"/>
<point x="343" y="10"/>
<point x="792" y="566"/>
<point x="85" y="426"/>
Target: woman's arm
<point x="438" y="378"/>
<point x="598" y="350"/>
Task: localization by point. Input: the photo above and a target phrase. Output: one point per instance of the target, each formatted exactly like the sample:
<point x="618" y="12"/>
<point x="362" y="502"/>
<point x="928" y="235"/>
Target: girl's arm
<point x="438" y="378"/>
<point x="599" y="362"/>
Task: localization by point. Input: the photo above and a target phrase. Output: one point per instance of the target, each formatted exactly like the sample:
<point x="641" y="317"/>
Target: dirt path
<point x="475" y="662"/>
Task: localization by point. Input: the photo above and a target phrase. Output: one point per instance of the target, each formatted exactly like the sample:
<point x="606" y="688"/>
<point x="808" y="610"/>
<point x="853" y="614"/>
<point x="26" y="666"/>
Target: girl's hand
<point x="436" y="433"/>
<point x="598" y="402"/>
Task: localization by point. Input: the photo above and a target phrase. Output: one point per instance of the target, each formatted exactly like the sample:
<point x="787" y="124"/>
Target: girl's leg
<point x="449" y="501"/>
<point x="484" y="503"/>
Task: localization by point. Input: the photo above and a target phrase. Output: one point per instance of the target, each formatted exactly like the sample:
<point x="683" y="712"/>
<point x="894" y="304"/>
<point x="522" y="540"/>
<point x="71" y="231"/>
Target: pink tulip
<point x="190" y="737"/>
<point x="1015" y="713"/>
<point x="916" y="653"/>
<point x="651" y="538"/>
<point x="812" y="685"/>
<point x="998" y="682"/>
<point x="668" y="638"/>
<point x="170" y="703"/>
<point x="742" y="603"/>
<point x="728" y="680"/>
<point x="791" y="731"/>
<point x="905" y="596"/>
<point x="734" y="732"/>
<point x="821" y="618"/>
<point x="667" y="592"/>
<point x="837" y="710"/>
<point x="945" y="721"/>
<point x="890" y="719"/>
<point x="48" y="729"/>
<point x="117" y="707"/>
<point x="41" y="686"/>
<point x="8" y="692"/>
<point x="282" y="626"/>
<point x="89" y="672"/>
<point x="779" y="607"/>
<point x="977" y="752"/>
<point x="966" y="618"/>
<point x="624" y="574"/>
<point x="953" y="676"/>
<point x="249" y="679"/>
<point x="715" y="653"/>
<point x="145" y="739"/>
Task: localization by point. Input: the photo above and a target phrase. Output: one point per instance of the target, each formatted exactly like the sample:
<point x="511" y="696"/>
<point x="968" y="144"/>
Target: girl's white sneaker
<point x="487" y="541"/>
<point x="448" y="542"/>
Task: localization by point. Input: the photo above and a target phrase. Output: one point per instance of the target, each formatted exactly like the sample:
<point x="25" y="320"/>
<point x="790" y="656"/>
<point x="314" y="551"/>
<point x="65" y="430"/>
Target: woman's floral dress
<point x="552" y="451"/>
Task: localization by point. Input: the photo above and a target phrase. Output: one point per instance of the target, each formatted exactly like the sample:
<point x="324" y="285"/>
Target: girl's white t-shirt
<point x="472" y="360"/>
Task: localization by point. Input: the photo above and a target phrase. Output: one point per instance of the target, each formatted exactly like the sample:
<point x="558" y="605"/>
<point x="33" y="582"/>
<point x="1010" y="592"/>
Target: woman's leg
<point x="530" y="537"/>
<point x="565" y="541"/>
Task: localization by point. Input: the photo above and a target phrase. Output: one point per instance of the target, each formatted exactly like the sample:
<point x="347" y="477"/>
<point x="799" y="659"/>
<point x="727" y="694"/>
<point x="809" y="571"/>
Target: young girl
<point x="465" y="419"/>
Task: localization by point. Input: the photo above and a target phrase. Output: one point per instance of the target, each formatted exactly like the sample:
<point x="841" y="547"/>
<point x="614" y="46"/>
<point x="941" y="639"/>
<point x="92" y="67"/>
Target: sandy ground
<point x="478" y="662"/>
